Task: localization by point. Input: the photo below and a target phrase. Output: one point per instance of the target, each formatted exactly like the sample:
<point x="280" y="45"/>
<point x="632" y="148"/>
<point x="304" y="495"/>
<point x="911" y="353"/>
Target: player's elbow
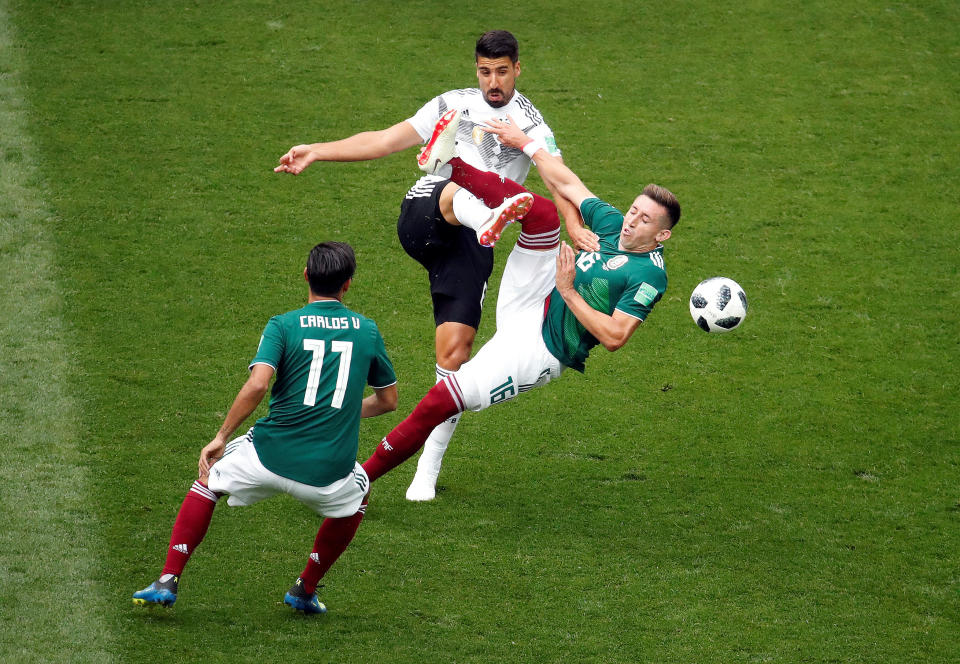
<point x="616" y="339"/>
<point x="388" y="399"/>
<point x="257" y="389"/>
<point x="613" y="344"/>
<point x="390" y="404"/>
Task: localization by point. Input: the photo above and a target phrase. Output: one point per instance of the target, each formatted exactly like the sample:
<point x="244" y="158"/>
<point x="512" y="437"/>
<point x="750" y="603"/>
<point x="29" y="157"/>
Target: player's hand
<point x="508" y="132"/>
<point x="566" y="268"/>
<point x="296" y="160"/>
<point x="584" y="239"/>
<point x="209" y="455"/>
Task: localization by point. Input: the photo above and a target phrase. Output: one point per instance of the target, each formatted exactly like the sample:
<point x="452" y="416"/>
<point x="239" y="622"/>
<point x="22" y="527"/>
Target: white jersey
<point x="477" y="147"/>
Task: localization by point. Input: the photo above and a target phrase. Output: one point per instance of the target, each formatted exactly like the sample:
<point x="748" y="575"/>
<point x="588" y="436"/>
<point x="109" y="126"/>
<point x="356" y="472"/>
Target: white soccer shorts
<point x="515" y="360"/>
<point x="240" y="474"/>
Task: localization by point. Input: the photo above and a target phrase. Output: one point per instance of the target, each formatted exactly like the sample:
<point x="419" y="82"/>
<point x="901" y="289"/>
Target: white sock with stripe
<point x="470" y="211"/>
<point x="423" y="486"/>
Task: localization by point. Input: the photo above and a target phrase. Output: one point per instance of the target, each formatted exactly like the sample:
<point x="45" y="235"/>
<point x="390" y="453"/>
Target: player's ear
<point x="664" y="235"/>
<point x="516" y="68"/>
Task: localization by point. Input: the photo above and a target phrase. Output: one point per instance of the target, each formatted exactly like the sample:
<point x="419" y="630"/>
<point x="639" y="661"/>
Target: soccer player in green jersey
<point x="553" y="306"/>
<point x="323" y="356"/>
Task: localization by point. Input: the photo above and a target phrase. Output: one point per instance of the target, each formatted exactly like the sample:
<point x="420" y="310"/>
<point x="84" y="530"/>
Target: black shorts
<point x="458" y="266"/>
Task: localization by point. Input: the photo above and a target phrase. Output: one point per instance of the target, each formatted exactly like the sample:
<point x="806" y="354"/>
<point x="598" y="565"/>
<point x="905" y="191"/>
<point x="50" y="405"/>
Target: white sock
<point x="470" y="211"/>
<point x="428" y="466"/>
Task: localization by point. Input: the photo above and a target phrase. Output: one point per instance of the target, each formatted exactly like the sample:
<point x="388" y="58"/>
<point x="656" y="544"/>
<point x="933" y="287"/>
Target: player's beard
<point x="499" y="103"/>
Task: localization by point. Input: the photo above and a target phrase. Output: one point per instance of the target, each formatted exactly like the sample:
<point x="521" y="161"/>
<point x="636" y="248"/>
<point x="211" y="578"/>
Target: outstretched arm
<point x="249" y="397"/>
<point x="554" y="172"/>
<point x="359" y="147"/>
<point x="611" y="331"/>
<point x="567" y="189"/>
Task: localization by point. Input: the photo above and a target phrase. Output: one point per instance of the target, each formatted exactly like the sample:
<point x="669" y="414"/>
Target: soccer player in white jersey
<point x="432" y="215"/>
<point x="553" y="306"/>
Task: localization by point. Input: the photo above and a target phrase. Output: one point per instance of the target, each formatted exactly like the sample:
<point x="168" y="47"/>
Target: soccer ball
<point x="718" y="304"/>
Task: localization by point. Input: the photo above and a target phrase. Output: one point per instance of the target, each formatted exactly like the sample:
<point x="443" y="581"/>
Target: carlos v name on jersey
<point x="330" y="322"/>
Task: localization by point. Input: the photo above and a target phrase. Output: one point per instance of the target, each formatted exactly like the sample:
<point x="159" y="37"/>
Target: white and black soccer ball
<point x="718" y="304"/>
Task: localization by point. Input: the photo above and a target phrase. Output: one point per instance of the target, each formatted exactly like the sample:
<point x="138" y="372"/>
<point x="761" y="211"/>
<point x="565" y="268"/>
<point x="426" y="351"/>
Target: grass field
<point x="784" y="493"/>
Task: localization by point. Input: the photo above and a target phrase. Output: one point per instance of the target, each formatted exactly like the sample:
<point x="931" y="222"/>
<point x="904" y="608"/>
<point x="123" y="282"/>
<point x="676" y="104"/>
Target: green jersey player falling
<point x="599" y="296"/>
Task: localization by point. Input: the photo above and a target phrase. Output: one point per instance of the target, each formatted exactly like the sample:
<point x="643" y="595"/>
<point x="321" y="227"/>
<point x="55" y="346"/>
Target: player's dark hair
<point x="497" y="44"/>
<point x="329" y="266"/>
<point x="665" y="198"/>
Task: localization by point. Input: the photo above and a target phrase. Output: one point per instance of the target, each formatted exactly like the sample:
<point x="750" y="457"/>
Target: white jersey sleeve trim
<point x="628" y="314"/>
<point x="380" y="387"/>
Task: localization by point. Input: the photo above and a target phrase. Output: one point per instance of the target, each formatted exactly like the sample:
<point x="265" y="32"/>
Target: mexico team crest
<point x="615" y="262"/>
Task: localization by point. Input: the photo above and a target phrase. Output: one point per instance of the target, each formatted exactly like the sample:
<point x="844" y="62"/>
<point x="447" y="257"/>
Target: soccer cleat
<point x="442" y="146"/>
<point x="300" y="600"/>
<point x="159" y="592"/>
<point x="422" y="489"/>
<point x="512" y="209"/>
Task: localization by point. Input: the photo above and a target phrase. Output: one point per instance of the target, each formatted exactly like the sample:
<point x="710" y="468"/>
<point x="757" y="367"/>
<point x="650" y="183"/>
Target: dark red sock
<point x="485" y="185"/>
<point x="441" y="402"/>
<point x="332" y="540"/>
<point x="191" y="525"/>
<point x="540" y="228"/>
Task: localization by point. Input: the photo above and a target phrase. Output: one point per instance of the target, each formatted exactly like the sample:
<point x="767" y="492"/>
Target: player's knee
<point x="453" y="356"/>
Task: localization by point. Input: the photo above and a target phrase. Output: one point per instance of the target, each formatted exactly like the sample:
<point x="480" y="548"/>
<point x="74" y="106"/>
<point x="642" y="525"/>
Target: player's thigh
<point x="512" y="362"/>
<point x="240" y="474"/>
<point x="458" y="280"/>
<point x="528" y="278"/>
<point x="340" y="499"/>
<point x="423" y="233"/>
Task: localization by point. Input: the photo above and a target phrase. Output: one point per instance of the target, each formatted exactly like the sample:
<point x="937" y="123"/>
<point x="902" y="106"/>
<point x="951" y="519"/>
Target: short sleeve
<point x="640" y="295"/>
<point x="270" y="350"/>
<point x="601" y="217"/>
<point x="544" y="134"/>
<point x="381" y="373"/>
<point x="426" y="118"/>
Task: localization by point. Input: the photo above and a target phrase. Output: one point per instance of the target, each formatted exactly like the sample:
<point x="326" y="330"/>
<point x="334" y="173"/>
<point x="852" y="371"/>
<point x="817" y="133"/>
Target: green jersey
<point x="324" y="356"/>
<point x="607" y="279"/>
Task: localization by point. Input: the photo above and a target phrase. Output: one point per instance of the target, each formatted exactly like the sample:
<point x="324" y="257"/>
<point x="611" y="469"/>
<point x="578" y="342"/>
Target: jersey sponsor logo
<point x="615" y="262"/>
<point x="503" y="392"/>
<point x="646" y="294"/>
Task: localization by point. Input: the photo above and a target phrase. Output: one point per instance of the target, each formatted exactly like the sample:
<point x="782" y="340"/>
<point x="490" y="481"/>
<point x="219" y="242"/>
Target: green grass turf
<point x="787" y="492"/>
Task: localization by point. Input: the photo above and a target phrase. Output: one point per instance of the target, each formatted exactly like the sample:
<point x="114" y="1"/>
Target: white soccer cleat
<point x="423" y="488"/>
<point x="421" y="491"/>
<point x="442" y="146"/>
<point x="512" y="209"/>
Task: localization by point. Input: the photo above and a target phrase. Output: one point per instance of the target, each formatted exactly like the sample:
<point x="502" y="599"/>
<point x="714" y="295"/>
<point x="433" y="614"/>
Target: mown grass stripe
<point x="50" y="610"/>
